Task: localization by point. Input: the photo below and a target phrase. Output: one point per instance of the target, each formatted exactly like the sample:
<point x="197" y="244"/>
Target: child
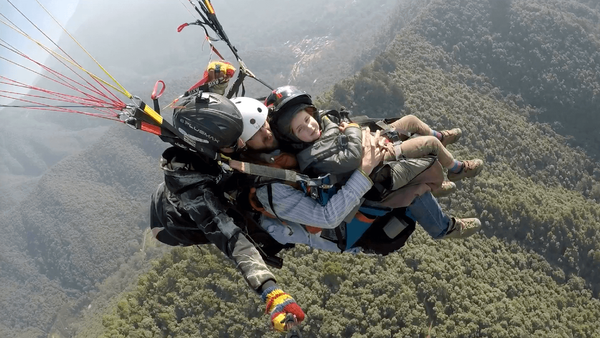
<point x="322" y="147"/>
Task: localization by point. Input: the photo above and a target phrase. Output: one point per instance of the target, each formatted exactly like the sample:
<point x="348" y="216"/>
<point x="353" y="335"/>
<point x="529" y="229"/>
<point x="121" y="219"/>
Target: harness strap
<point x="387" y="127"/>
<point x="236" y="86"/>
<point x="393" y="135"/>
<point x="155" y="96"/>
<point x="271" y="260"/>
<point x="398" y="150"/>
<point x="361" y="223"/>
<point x="270" y="194"/>
<point x="340" y="234"/>
<point x="261" y="170"/>
<point x="256" y="205"/>
<point x="324" y="182"/>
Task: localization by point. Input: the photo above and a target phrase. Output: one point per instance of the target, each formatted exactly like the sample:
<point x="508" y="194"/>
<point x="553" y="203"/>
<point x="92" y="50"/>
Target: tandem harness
<point x="350" y="233"/>
<point x="374" y="228"/>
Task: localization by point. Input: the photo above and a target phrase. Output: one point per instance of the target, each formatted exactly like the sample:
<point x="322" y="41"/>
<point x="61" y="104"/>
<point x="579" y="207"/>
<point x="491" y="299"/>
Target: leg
<point x="427" y="212"/>
<point x="411" y="124"/>
<point x="426" y="145"/>
<point x="429" y="145"/>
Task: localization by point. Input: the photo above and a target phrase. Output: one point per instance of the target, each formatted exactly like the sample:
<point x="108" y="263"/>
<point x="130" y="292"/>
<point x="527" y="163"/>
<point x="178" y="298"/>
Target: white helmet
<point x="254" y="114"/>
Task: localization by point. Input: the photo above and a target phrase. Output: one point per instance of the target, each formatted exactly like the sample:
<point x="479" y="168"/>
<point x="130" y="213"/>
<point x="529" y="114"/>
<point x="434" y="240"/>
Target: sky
<point x="61" y="10"/>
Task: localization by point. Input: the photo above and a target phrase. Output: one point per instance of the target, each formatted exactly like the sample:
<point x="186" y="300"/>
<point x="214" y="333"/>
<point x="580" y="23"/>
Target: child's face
<point x="305" y="127"/>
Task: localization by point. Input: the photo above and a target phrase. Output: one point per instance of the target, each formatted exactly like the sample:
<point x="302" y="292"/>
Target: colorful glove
<point x="219" y="69"/>
<point x="216" y="71"/>
<point x="279" y="304"/>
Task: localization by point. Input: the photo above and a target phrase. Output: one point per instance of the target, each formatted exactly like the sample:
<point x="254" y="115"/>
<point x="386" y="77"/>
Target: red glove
<point x="279" y="304"/>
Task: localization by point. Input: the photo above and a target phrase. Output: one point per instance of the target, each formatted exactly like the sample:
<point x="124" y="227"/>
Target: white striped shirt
<point x="292" y="205"/>
<point x="295" y="208"/>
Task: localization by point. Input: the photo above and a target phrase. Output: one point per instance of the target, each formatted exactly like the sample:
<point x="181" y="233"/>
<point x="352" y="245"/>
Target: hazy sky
<point x="61" y="10"/>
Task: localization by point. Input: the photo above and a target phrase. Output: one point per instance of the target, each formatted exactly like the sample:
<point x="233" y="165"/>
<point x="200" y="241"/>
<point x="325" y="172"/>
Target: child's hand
<point x="343" y="126"/>
<point x="386" y="146"/>
<point x="372" y="153"/>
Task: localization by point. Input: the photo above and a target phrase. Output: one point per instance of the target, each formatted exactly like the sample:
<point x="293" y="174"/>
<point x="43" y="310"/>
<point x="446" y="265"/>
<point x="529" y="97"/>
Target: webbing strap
<point x="393" y="135"/>
<point x="236" y="85"/>
<point x="270" y="195"/>
<point x="388" y="128"/>
<point x="383" y="125"/>
<point x="373" y="210"/>
<point x="261" y="170"/>
<point x="398" y="150"/>
<point x="285" y="175"/>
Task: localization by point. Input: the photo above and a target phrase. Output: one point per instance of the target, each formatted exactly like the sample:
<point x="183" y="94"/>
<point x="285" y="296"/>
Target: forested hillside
<point x="29" y="146"/>
<point x="547" y="52"/>
<point x="74" y="212"/>
<point x="84" y="218"/>
<point x="531" y="272"/>
<point x="480" y="288"/>
<point x="536" y="189"/>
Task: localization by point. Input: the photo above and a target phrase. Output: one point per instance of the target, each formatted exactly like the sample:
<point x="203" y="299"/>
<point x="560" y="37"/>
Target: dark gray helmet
<point x="209" y="122"/>
<point x="286" y="96"/>
<point x="284" y="103"/>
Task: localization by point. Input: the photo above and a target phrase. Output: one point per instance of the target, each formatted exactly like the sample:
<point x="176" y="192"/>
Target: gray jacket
<point x="191" y="198"/>
<point x="334" y="152"/>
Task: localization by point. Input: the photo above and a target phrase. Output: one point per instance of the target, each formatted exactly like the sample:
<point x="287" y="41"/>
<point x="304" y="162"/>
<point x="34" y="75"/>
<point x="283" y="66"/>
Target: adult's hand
<point x="237" y="165"/>
<point x="220" y="70"/>
<point x="386" y="146"/>
<point x="218" y="74"/>
<point x="279" y="305"/>
<point x="372" y="152"/>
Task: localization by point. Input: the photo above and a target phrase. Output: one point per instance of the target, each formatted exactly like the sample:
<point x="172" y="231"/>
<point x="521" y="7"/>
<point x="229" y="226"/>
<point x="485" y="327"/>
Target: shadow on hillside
<point x="580" y="128"/>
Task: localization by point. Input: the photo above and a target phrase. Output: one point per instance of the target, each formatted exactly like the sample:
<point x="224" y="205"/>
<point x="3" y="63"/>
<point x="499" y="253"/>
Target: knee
<point x="410" y="119"/>
<point x="432" y="142"/>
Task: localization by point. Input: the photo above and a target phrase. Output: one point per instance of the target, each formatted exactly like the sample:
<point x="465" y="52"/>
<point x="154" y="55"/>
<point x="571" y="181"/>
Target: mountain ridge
<point x="529" y="272"/>
<point x="538" y="198"/>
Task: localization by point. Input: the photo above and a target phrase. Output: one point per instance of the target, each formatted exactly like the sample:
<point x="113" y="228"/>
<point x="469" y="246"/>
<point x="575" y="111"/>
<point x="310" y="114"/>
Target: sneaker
<point x="471" y="168"/>
<point x="463" y="227"/>
<point x="450" y="136"/>
<point x="446" y="189"/>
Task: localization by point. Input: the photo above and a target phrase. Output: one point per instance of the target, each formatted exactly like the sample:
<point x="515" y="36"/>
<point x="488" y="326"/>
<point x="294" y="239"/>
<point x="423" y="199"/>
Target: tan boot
<point x="471" y="168"/>
<point x="463" y="227"/>
<point x="450" y="136"/>
<point x="446" y="189"/>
